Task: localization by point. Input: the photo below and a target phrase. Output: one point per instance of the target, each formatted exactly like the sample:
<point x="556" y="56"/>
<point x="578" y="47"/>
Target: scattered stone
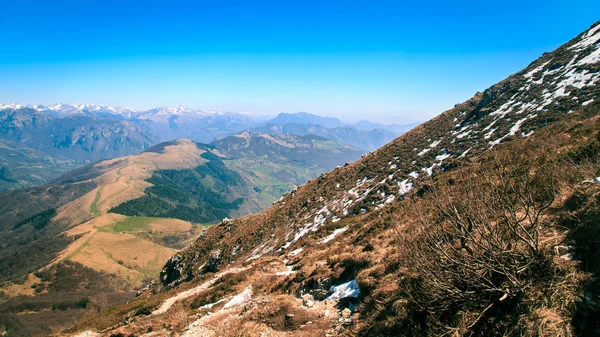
<point x="308" y="300"/>
<point x="567" y="257"/>
<point x="213" y="261"/>
<point x="346" y="313"/>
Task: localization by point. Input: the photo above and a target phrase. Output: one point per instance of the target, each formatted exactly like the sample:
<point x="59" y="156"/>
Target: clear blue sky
<point x="381" y="60"/>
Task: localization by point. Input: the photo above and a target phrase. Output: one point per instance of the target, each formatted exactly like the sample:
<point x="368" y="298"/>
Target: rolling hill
<point x="479" y="222"/>
<point x="113" y="223"/>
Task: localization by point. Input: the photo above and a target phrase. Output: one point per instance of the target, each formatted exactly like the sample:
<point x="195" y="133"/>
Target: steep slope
<point x="478" y="222"/>
<point x="569" y="75"/>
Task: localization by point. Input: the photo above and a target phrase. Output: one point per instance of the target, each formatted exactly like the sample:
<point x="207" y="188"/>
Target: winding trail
<point x="168" y="303"/>
<point x="83" y="209"/>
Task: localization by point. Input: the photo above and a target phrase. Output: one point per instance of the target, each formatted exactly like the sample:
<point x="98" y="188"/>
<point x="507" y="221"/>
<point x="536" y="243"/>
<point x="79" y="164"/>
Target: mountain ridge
<point x="87" y="133"/>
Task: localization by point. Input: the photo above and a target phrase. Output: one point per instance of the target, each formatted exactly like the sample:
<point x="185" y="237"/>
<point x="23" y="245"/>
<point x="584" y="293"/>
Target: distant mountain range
<point x="71" y="135"/>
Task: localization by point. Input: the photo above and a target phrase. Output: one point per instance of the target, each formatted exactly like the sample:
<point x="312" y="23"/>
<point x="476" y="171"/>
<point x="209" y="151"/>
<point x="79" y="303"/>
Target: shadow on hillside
<point x="583" y="209"/>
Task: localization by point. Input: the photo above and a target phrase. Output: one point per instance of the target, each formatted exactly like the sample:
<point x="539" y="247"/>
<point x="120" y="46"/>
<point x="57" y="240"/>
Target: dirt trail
<point x="168" y="303"/>
<point x="83" y="209"/>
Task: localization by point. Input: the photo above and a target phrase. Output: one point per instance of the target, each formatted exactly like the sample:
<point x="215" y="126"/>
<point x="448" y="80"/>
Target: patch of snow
<point x="405" y="186"/>
<point x="424" y="151"/>
<point x="414" y="174"/>
<point x="296" y="251"/>
<point x="489" y="133"/>
<point x="464" y="134"/>
<point x="536" y="70"/>
<point x="513" y="130"/>
<point x="527" y="134"/>
<point x="390" y="198"/>
<point x="435" y="143"/>
<point x="441" y="157"/>
<point x="344" y="290"/>
<point x="464" y="153"/>
<point x="334" y="234"/>
<point x="286" y="272"/>
<point x="210" y="305"/>
<point x="429" y="170"/>
<point x="240" y="298"/>
<point x="590" y="38"/>
<point x="587" y="102"/>
<point x="260" y="251"/>
<point x="593" y="57"/>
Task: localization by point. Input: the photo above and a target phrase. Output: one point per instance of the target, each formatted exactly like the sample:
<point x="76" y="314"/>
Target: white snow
<point x="590" y="38"/>
<point x="210" y="305"/>
<point x="414" y="174"/>
<point x="334" y="234"/>
<point x="535" y="70"/>
<point x="405" y="186"/>
<point x="168" y="303"/>
<point x="464" y="134"/>
<point x="435" y="143"/>
<point x="429" y="170"/>
<point x="424" y="151"/>
<point x="489" y="133"/>
<point x="344" y="290"/>
<point x="260" y="251"/>
<point x="516" y="127"/>
<point x="464" y="153"/>
<point x="593" y="57"/>
<point x="296" y="251"/>
<point x="286" y="272"/>
<point x="443" y="156"/>
<point x="240" y="298"/>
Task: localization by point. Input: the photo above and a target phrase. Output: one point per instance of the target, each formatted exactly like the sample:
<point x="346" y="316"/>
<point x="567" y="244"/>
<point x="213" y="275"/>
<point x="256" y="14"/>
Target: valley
<point x="116" y="221"/>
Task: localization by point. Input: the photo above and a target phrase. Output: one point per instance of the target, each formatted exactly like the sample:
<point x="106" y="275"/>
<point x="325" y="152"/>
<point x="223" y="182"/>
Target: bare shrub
<point x="478" y="248"/>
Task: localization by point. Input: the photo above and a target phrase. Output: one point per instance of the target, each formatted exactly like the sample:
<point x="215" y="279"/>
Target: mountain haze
<point x="66" y="136"/>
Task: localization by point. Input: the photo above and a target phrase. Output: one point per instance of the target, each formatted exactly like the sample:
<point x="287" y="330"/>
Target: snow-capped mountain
<point x="63" y="110"/>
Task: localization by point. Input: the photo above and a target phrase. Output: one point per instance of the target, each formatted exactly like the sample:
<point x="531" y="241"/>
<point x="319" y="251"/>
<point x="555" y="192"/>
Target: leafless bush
<point x="477" y="249"/>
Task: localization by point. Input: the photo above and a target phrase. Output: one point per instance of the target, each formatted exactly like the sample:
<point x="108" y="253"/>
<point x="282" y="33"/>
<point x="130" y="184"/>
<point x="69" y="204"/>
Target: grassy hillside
<point x="239" y="175"/>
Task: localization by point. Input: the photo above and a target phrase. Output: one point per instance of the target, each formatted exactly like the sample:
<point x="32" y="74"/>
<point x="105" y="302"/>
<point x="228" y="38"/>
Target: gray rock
<point x="308" y="300"/>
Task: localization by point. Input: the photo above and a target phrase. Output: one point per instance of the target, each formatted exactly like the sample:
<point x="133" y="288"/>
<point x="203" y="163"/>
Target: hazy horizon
<point x="384" y="62"/>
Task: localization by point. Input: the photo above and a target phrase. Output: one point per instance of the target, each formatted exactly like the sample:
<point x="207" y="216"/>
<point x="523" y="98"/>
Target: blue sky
<point x="385" y="61"/>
